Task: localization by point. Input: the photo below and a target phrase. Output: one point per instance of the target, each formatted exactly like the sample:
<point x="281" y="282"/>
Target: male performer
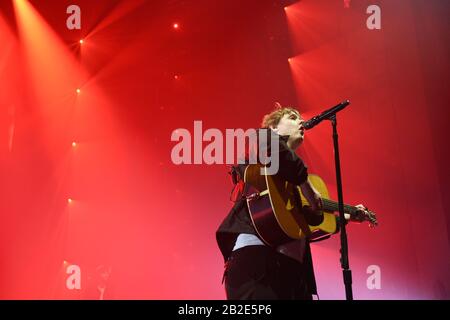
<point x="254" y="270"/>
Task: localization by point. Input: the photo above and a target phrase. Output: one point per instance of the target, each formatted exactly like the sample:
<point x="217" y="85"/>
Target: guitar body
<point x="277" y="208"/>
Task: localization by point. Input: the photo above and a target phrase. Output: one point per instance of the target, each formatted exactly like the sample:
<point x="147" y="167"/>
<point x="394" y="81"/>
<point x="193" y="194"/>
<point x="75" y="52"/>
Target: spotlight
<point x="81" y="41"/>
<point x="176" y="77"/>
<point x="78" y="90"/>
<point x="74" y="144"/>
<point x="69" y="201"/>
<point x="176" y="25"/>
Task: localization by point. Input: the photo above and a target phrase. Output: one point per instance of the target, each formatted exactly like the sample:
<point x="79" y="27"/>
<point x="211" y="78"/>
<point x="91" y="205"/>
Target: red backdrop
<point x="226" y="64"/>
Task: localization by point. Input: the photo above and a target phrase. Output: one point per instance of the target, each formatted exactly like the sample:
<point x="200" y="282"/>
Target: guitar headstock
<point x="362" y="214"/>
<point x="371" y="218"/>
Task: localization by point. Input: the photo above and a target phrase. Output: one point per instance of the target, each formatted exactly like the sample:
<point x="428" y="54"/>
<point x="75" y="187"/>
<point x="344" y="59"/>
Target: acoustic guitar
<point x="280" y="213"/>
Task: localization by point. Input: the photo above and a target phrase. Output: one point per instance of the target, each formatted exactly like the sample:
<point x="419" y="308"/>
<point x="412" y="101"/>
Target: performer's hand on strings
<point x="313" y="196"/>
<point x="364" y="214"/>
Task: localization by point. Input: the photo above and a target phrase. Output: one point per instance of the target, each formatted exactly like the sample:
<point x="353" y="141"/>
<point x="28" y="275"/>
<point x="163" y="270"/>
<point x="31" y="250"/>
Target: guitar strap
<point x="240" y="188"/>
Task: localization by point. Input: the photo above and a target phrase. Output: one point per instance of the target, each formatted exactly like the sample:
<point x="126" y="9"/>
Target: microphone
<point x="326" y="115"/>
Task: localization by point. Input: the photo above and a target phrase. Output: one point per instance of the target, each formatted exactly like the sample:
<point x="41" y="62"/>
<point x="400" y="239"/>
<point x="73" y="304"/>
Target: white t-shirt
<point x="294" y="249"/>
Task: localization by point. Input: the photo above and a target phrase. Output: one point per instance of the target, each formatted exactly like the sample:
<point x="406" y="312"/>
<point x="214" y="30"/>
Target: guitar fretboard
<point x="330" y="205"/>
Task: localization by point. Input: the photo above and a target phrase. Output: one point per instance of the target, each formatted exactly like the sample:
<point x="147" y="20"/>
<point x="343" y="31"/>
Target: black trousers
<point x="261" y="273"/>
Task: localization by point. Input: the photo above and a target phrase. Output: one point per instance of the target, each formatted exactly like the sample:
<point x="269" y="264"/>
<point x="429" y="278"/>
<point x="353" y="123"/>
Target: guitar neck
<point x="330" y="205"/>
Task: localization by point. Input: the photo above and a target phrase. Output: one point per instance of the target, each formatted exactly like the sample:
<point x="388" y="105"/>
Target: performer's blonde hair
<point x="272" y="119"/>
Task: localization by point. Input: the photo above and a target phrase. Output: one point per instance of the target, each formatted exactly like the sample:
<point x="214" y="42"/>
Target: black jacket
<point x="292" y="169"/>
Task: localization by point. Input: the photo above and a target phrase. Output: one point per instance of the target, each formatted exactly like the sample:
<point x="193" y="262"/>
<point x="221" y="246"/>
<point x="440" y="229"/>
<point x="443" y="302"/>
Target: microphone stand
<point x="347" y="273"/>
<point x="330" y="114"/>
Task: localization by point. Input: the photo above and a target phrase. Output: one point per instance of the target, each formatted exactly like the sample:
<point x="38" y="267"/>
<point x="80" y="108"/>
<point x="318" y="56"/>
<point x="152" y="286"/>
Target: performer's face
<point x="291" y="125"/>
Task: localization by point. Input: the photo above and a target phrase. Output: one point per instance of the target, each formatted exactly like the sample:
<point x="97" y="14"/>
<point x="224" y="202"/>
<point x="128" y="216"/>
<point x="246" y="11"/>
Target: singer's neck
<point x="293" y="144"/>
